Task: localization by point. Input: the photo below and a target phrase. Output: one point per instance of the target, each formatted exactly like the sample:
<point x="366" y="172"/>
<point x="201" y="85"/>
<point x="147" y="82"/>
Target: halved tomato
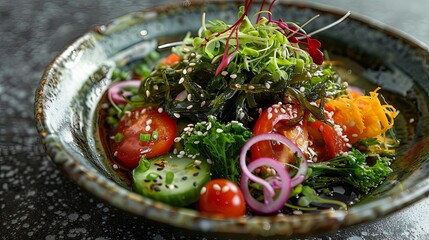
<point x="327" y="142"/>
<point x="145" y="131"/>
<point x="278" y="119"/>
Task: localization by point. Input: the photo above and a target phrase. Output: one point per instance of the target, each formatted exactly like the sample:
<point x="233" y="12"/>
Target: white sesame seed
<point x="177" y="115"/>
<point x="147" y="128"/>
<point x="182" y="152"/>
<point x="184" y="71"/>
<point x="189" y="97"/>
<point x="302" y="89"/>
<point x="189" y="107"/>
<point x="149" y="122"/>
<point x="115" y="166"/>
<point x="216" y="187"/>
<point x="224" y="73"/>
<point x="348" y="145"/>
<point x="197" y="162"/>
<point x="196" y="142"/>
<point x="147" y="93"/>
<point x="267" y="85"/>
<point x="251" y="87"/>
<point x="209" y="161"/>
<point x="203" y="190"/>
<point x="155" y="87"/>
<point x="177" y="139"/>
<point x="233" y="76"/>
<point x="241" y="115"/>
<point x="160" y="110"/>
<point x="411" y="120"/>
<point x="352" y="124"/>
<point x="181" y="80"/>
<point x="219" y="130"/>
<point x="270" y="115"/>
<point x="192" y="64"/>
<point x="225" y="189"/>
<point x="321" y="128"/>
<point x="355" y="135"/>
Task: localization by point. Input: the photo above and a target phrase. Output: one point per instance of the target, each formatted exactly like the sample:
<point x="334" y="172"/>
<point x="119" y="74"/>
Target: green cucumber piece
<point x="170" y="179"/>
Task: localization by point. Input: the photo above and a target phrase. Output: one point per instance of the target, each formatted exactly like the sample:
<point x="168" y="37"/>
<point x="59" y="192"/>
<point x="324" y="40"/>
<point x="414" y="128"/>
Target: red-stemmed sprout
<point x="294" y="33"/>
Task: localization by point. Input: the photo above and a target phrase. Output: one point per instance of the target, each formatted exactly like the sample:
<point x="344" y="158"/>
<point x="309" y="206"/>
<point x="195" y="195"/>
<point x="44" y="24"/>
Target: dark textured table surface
<point x="37" y="201"/>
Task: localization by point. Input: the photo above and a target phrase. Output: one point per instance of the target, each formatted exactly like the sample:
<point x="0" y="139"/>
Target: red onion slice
<point x="114" y="92"/>
<point x="303" y="166"/>
<point x="281" y="181"/>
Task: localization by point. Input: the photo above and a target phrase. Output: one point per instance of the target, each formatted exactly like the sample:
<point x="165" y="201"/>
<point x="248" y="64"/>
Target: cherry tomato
<point x="277" y="119"/>
<point x="145" y="131"/>
<point x="326" y="141"/>
<point x="221" y="196"/>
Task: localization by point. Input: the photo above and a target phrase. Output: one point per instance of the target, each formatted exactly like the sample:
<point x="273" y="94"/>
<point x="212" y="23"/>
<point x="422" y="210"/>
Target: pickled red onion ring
<point x="270" y="205"/>
<point x="114" y="92"/>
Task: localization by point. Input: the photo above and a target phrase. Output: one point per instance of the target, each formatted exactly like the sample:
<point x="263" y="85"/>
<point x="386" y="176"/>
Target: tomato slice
<point x="327" y="143"/>
<point x="277" y="119"/>
<point x="145" y="131"/>
<point x="221" y="196"/>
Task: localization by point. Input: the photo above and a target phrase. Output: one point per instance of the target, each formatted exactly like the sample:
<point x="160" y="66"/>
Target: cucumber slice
<point x="172" y="180"/>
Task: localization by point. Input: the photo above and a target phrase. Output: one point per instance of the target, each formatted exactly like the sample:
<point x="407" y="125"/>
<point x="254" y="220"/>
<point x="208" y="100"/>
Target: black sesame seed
<point x="196" y="174"/>
<point x="175" y="186"/>
<point x="195" y="184"/>
<point x="157" y="189"/>
<point x="184" y="178"/>
<point x="198" y="167"/>
<point x="159" y="169"/>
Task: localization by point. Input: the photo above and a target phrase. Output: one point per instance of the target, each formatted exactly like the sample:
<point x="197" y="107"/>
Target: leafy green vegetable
<point x="220" y="143"/>
<point x="352" y="169"/>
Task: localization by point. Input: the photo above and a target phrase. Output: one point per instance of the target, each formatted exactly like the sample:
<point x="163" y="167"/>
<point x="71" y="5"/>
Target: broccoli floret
<point x="352" y="169"/>
<point x="220" y="143"/>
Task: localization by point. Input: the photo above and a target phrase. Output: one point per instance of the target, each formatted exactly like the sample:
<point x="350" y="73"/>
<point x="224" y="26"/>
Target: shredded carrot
<point x="362" y="116"/>
<point x="171" y="59"/>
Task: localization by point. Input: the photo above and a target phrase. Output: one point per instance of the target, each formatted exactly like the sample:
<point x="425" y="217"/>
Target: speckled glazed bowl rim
<point x="106" y="189"/>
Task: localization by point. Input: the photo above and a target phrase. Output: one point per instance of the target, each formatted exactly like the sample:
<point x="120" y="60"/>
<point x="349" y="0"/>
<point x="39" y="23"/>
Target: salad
<point x="247" y="118"/>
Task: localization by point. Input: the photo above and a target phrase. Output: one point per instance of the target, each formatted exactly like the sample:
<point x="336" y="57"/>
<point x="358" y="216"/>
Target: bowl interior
<point x="366" y="54"/>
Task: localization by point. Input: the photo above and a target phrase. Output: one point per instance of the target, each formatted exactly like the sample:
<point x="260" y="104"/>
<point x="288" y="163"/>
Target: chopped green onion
<point x="169" y="177"/>
<point x="152" y="176"/>
<point x="144" y="137"/>
<point x="155" y="135"/>
<point x="311" y="119"/>
<point x="119" y="137"/>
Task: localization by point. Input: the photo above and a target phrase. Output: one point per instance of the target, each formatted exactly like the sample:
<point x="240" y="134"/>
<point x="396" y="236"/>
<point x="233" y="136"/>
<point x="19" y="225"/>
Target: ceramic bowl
<point x="72" y="85"/>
